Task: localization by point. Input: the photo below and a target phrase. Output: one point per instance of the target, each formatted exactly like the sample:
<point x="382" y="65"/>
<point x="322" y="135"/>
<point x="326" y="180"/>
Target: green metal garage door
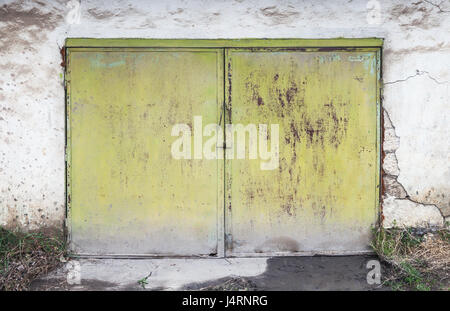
<point x="305" y="178"/>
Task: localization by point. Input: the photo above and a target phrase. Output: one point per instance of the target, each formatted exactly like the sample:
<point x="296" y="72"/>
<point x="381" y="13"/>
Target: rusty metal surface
<point x="126" y="193"/>
<point x="323" y="197"/>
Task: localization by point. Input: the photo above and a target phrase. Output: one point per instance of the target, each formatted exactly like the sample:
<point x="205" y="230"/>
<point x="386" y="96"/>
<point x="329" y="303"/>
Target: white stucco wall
<point x="416" y="62"/>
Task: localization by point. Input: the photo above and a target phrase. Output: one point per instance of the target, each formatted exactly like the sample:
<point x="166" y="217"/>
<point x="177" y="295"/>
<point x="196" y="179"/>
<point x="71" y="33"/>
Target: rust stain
<point x="332" y="49"/>
<point x="281" y="244"/>
<point x="63" y="57"/>
<point x="280" y="99"/>
<point x="289" y="207"/>
<point x="295" y="132"/>
<point x="383" y="155"/>
<point x="289" y="98"/>
<point x="254" y="89"/>
<point x="229" y="92"/>
<point x="291" y="92"/>
<point x="260" y="101"/>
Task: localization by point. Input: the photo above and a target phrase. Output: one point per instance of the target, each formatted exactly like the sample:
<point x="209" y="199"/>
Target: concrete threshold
<point x="260" y="273"/>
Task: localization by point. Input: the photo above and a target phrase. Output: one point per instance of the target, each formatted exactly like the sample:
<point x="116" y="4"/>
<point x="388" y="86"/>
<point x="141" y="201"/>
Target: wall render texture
<point x="416" y="62"/>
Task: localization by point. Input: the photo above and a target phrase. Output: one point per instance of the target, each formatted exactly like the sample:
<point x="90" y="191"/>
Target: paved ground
<point x="276" y="273"/>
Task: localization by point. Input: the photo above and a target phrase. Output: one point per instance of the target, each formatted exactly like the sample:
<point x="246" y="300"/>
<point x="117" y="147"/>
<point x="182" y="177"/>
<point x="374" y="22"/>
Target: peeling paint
<point x="395" y="211"/>
<point x="406" y="213"/>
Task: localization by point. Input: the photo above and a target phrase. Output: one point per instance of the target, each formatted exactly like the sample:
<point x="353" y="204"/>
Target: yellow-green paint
<point x="323" y="197"/>
<point x="127" y="195"/>
<point x="225" y="43"/>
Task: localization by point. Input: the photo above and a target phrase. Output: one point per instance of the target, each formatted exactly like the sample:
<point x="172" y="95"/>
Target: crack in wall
<point x="438" y="6"/>
<point x="418" y="73"/>
<point x="391" y="169"/>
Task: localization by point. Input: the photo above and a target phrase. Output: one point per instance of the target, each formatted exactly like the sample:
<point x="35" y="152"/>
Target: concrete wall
<point x="416" y="62"/>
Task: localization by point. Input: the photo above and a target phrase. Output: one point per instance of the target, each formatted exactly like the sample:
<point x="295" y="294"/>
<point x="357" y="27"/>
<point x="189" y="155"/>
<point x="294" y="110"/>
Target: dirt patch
<point x="24" y="25"/>
<point x="277" y="16"/>
<point x="60" y="284"/>
<point x="414" y="15"/>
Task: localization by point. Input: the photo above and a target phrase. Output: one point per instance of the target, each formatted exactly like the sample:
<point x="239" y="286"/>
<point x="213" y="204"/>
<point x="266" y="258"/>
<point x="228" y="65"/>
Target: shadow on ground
<point x="302" y="274"/>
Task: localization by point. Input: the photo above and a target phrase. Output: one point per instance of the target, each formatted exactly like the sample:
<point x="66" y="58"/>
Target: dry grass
<point x="26" y="256"/>
<point x="418" y="261"/>
<point x="231" y="284"/>
<point x="436" y="253"/>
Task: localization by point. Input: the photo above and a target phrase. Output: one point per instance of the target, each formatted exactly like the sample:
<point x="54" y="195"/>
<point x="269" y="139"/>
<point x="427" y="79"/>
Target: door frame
<point x="308" y="45"/>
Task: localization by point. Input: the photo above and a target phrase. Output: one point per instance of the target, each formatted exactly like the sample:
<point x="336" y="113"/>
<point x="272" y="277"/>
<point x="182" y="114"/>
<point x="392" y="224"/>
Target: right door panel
<point x="323" y="195"/>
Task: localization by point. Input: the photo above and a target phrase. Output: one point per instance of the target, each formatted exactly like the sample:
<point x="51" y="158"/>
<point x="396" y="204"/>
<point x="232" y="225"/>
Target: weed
<point x="417" y="261"/>
<point x="144" y="281"/>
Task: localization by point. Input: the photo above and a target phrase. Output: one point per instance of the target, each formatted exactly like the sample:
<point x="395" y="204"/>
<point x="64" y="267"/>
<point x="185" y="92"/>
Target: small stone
<point x="428" y="236"/>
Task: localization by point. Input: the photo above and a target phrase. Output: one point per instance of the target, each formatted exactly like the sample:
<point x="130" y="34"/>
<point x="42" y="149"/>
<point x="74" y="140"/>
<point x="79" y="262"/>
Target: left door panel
<point x="127" y="195"/>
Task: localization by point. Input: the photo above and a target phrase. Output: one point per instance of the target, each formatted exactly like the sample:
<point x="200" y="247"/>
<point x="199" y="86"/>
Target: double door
<point x="186" y="151"/>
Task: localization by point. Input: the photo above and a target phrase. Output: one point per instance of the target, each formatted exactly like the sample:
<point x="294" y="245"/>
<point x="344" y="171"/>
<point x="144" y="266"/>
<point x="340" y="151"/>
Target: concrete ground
<point x="276" y="273"/>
